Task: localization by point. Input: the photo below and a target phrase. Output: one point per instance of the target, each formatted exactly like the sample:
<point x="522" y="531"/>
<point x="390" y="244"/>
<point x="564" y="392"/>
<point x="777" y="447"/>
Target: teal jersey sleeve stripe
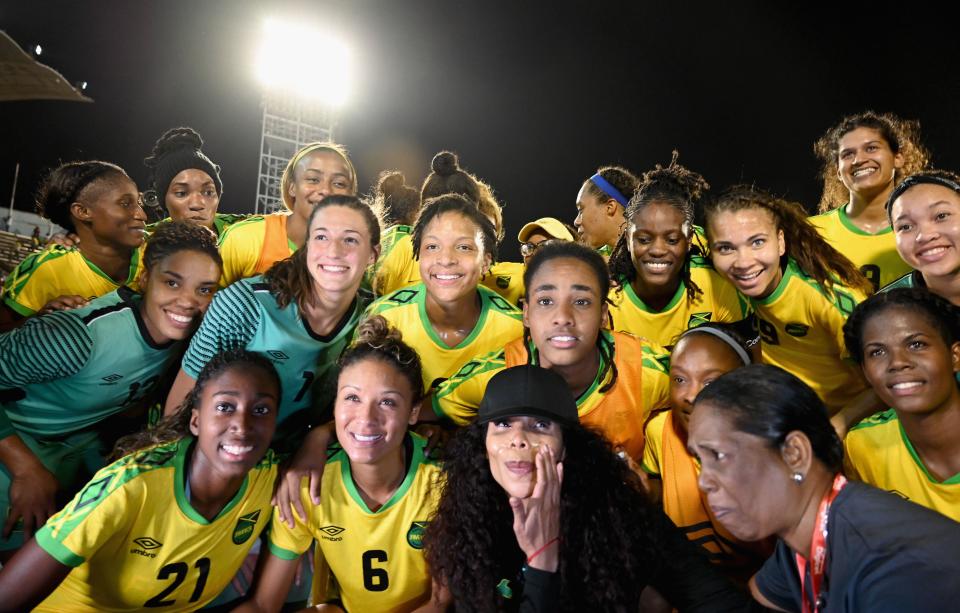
<point x="230" y="322"/>
<point x="45" y="348"/>
<point x="57" y="550"/>
<point x="283" y="554"/>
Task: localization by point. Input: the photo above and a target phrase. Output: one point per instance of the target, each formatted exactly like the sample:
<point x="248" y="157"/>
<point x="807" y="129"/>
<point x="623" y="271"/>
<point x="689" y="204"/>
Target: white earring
<point x="797" y="478"/>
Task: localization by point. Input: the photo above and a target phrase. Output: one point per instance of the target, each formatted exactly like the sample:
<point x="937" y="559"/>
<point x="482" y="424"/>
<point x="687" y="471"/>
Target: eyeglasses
<point x="528" y="249"/>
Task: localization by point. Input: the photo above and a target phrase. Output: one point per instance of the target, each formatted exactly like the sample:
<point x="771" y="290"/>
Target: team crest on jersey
<point x="698" y="319"/>
<point x="415" y="534"/>
<point x="246" y="526"/>
<point x="503" y="282"/>
<point x="798" y="330"/>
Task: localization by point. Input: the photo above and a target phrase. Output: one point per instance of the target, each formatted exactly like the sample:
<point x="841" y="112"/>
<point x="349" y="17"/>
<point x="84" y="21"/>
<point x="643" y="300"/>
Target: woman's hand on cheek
<point x="536" y="520"/>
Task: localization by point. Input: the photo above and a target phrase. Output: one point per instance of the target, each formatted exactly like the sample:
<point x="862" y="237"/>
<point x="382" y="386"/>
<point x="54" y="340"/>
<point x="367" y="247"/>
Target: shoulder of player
<point x="128" y="473"/>
<point x="886" y="417"/>
<point x="241" y="229"/>
<point x="397" y="299"/>
<point x="498" y="303"/>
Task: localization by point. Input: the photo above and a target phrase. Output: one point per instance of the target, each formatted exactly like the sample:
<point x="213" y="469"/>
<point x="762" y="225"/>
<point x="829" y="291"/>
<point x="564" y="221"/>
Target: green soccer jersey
<point x="911" y="279"/>
<point x="135" y="542"/>
<point x="69" y="370"/>
<point x="246" y="315"/>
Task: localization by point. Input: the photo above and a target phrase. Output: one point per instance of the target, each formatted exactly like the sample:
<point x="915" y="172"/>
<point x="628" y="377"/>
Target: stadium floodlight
<point x="300" y="61"/>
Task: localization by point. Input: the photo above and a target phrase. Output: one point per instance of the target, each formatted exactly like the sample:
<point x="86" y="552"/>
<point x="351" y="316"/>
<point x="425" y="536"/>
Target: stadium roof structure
<point x="24" y="78"/>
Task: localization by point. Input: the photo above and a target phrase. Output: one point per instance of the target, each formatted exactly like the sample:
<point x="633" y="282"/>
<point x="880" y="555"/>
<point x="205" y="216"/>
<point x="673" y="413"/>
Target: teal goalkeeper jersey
<point x="246" y="314"/>
<point x="69" y="370"/>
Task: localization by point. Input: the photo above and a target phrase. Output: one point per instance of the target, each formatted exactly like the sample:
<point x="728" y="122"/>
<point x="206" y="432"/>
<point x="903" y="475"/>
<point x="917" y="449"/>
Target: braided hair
<point x="676" y="186"/>
<point x="67" y="183"/>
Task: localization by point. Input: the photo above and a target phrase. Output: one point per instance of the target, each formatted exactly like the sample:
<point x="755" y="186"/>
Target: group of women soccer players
<point x="208" y="410"/>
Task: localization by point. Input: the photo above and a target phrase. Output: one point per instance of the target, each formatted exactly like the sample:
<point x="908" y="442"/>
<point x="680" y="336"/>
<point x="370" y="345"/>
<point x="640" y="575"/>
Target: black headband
<point x="914" y="180"/>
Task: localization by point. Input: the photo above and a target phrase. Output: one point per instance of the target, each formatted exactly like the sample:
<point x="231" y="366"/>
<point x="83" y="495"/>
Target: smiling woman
<point x="251" y="246"/>
<point x="71" y="371"/>
<point x="99" y="202"/>
<point x="379" y="490"/>
<point x="301" y="313"/>
<point x="168" y="523"/>
<point x="664" y="284"/>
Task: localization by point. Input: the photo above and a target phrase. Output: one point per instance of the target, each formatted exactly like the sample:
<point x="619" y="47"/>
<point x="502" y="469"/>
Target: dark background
<point x="534" y="96"/>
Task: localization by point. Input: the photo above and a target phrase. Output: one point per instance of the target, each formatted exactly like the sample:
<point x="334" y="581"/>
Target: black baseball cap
<point x="528" y="391"/>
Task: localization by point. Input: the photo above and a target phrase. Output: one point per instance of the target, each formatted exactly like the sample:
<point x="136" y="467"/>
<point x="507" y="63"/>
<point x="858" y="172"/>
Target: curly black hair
<point x="676" y="186"/>
<point x="172" y="237"/>
<point x="936" y="310"/>
<point x="902" y="136"/>
<point x="176" y="426"/>
<point x="454" y="203"/>
<point x="65" y="185"/>
<point x="609" y="541"/>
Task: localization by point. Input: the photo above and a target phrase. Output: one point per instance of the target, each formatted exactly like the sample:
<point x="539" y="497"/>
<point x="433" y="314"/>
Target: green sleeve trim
<point x="58" y="550"/>
<point x="283" y="554"/>
<point x="19" y="308"/>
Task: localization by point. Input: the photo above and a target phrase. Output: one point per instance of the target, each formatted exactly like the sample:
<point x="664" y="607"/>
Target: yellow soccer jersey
<point x="879" y="453"/>
<point x="60" y="271"/>
<point x="801" y="331"/>
<point x="653" y="437"/>
<point x="719" y="302"/>
<point x="397" y="268"/>
<point x="135" y="543"/>
<point x="499" y="323"/>
<point x="505" y="278"/>
<point x="875" y="254"/>
<point x="376" y="557"/>
<point x="643" y="384"/>
<point x="251" y="246"/>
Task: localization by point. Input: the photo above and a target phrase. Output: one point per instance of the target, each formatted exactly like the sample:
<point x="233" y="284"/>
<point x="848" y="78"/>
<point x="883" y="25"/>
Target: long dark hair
<point x="815" y="256"/>
<point x="608" y="541"/>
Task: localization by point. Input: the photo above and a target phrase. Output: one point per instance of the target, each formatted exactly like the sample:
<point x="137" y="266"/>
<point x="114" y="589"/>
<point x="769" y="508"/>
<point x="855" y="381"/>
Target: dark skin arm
<point x="32" y="487"/>
<point x="10" y="319"/>
<point x="29" y="577"/>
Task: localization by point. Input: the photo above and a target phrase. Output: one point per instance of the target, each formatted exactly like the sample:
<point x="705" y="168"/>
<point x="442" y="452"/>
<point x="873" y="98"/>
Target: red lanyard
<point x="818" y="548"/>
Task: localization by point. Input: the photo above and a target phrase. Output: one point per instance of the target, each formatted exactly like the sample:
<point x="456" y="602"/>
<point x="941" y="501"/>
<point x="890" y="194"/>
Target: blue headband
<point x="608" y="188"/>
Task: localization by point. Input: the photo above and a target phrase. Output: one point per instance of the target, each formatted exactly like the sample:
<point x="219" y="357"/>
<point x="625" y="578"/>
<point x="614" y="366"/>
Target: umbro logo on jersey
<point x="145" y="545"/>
<point x="111" y="379"/>
<point x="331" y="533"/>
<point x="245" y="527"/>
<point x="277" y="355"/>
<point x="798" y="330"/>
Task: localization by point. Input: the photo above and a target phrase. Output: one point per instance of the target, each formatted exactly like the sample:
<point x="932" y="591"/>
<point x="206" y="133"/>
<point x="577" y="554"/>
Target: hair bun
<point x="375" y="331"/>
<point x="390" y="182"/>
<point x="445" y="163"/>
<point x="175" y="139"/>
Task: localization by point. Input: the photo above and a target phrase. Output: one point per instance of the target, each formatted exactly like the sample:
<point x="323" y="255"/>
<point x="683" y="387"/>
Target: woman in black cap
<point x="539" y="514"/>
<point x="185" y="182"/>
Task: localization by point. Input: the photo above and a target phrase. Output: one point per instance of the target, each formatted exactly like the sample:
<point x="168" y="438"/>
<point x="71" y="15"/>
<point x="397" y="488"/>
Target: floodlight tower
<point x="305" y="77"/>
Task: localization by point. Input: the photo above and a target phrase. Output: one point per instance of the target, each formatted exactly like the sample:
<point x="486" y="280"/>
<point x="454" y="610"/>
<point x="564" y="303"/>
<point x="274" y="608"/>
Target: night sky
<point x="533" y="96"/>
